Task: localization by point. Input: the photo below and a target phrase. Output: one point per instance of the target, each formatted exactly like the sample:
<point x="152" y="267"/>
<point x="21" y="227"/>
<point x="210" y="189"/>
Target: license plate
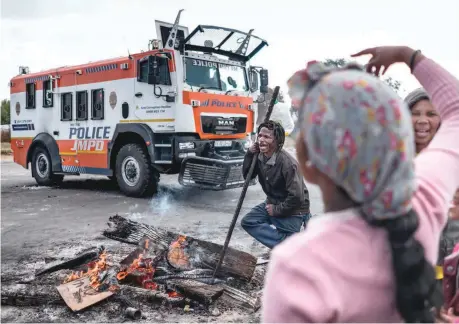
<point x="223" y="143"/>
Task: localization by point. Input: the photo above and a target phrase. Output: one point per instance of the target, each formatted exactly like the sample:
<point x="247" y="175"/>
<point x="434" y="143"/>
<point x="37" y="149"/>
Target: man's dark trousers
<point x="258" y="224"/>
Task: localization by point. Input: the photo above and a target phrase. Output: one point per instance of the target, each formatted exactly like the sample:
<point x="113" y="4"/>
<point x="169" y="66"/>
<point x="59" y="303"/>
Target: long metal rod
<point x="244" y="188"/>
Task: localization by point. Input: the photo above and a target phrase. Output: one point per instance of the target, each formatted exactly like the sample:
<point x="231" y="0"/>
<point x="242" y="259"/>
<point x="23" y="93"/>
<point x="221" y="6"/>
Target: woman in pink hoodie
<point x="370" y="257"/>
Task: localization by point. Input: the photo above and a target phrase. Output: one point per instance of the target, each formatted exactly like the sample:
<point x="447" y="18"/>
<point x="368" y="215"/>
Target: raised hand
<point x="384" y="56"/>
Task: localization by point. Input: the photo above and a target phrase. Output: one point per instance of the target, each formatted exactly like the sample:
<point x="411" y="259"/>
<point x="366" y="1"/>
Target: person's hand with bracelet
<point x="385" y="56"/>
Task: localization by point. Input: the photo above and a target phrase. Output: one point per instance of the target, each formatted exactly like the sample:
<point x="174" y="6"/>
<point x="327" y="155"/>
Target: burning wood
<point x="184" y="252"/>
<point x="164" y="267"/>
<point x="136" y="266"/>
<point x="177" y="255"/>
<point x="100" y="278"/>
<point x="81" y="293"/>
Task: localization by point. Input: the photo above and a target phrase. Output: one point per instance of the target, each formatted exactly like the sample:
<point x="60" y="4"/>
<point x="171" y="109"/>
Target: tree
<point x="394" y="84"/>
<point x="5" y="112"/>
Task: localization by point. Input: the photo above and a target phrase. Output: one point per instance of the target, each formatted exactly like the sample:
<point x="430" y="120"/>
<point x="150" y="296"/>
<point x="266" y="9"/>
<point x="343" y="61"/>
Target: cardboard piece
<point x="79" y="294"/>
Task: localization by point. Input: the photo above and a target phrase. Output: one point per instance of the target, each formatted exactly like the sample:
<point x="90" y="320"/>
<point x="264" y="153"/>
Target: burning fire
<point x="179" y="242"/>
<point x="93" y="272"/>
<point x="174" y="294"/>
<point x="139" y="265"/>
<point x="177" y="255"/>
<point x="142" y="269"/>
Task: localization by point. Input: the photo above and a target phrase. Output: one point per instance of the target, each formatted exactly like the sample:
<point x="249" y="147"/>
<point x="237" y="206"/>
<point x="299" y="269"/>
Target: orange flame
<point x="148" y="284"/>
<point x="177" y="254"/>
<point x="179" y="242"/>
<point x="94" y="269"/>
<point x="139" y="264"/>
<point x="174" y="294"/>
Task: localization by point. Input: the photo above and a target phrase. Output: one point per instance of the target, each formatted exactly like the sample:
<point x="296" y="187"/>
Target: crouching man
<point x="287" y="204"/>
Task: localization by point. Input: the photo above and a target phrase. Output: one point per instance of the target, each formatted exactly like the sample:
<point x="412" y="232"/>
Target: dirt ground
<point x="41" y="222"/>
<point x="109" y="309"/>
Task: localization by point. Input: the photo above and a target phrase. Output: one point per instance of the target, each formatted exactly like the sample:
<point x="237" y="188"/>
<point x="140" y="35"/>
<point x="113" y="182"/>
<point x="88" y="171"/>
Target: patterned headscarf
<point x="358" y="131"/>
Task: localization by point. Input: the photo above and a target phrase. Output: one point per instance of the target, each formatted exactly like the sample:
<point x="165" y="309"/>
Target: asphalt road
<point x="34" y="218"/>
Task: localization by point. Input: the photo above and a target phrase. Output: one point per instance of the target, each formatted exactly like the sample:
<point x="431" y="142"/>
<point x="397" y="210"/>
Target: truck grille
<point x="211" y="174"/>
<point x="223" y="125"/>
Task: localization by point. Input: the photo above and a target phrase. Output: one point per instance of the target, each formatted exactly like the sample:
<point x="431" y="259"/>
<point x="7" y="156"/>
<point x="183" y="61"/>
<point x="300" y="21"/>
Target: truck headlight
<point x="186" y="146"/>
<point x="248" y="142"/>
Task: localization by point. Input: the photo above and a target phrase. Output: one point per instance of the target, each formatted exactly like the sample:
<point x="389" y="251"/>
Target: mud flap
<point x="211" y="174"/>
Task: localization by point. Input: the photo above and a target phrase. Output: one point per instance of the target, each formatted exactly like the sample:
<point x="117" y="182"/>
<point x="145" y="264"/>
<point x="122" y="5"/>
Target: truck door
<point x="65" y="104"/>
<point x="156" y="91"/>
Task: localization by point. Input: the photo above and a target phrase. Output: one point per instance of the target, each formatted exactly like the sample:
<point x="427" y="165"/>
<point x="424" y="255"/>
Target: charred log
<point x="201" y="292"/>
<point x="70" y="264"/>
<point x="237" y="298"/>
<point x="37" y="295"/>
<point x="150" y="296"/>
<point x="200" y="254"/>
<point x="30" y="295"/>
<point x="127" y="231"/>
<point x="259" y="276"/>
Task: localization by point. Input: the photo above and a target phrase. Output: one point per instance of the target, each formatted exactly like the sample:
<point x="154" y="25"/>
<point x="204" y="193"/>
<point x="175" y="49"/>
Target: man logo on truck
<point x="226" y="122"/>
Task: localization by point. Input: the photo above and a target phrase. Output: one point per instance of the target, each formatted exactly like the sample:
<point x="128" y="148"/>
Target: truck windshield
<point x="213" y="75"/>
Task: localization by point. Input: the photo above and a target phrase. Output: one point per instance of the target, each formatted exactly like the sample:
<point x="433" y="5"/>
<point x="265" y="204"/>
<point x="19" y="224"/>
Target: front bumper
<point x="212" y="174"/>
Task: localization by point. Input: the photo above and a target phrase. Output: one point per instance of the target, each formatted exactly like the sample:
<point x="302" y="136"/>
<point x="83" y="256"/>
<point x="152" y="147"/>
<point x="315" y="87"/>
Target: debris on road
<point x="79" y="294"/>
<point x="164" y="268"/>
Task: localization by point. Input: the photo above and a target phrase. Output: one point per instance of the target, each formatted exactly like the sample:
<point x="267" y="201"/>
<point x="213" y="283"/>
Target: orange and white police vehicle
<point x="185" y="106"/>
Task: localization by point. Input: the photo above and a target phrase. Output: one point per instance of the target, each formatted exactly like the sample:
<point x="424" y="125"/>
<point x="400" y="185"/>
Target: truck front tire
<point x="134" y="174"/>
<point x="42" y="168"/>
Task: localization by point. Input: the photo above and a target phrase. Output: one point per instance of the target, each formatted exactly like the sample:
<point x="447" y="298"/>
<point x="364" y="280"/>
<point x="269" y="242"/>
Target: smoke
<point x="161" y="205"/>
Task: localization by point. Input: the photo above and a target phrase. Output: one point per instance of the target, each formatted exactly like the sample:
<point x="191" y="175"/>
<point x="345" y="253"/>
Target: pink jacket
<point x="340" y="268"/>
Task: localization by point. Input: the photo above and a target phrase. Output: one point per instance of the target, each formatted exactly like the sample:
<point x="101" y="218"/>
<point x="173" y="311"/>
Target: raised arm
<point x="443" y="89"/>
<point x="437" y="167"/>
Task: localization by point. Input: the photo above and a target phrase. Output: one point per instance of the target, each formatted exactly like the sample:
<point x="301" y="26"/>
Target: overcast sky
<point x="45" y="34"/>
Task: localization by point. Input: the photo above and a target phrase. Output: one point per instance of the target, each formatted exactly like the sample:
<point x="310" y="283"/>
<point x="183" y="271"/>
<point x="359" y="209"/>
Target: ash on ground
<point x="109" y="309"/>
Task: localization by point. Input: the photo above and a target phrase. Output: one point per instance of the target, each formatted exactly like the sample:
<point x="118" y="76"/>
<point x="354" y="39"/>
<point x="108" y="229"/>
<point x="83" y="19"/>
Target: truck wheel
<point x="134" y="173"/>
<point x="41" y="168"/>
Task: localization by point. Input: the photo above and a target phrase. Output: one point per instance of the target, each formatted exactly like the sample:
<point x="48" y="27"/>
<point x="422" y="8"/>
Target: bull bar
<point x="212" y="174"/>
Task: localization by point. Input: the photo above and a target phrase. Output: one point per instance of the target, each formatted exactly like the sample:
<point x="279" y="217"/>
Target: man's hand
<point x="385" y="56"/>
<point x="270" y="209"/>
<point x="254" y="148"/>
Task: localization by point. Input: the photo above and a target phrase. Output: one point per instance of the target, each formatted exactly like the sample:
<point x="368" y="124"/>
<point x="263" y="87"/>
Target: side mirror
<point x="264" y="81"/>
<point x="253" y="75"/>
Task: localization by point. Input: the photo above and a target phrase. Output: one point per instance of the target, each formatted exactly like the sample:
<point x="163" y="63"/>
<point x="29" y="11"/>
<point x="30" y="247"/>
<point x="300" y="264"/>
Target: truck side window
<point x="164" y="74"/>
<point x="30" y="95"/>
<point x="142" y="70"/>
<point x="66" y="106"/>
<point x="145" y="68"/>
<point x="97" y="111"/>
<point x="82" y="105"/>
<point x="48" y="97"/>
